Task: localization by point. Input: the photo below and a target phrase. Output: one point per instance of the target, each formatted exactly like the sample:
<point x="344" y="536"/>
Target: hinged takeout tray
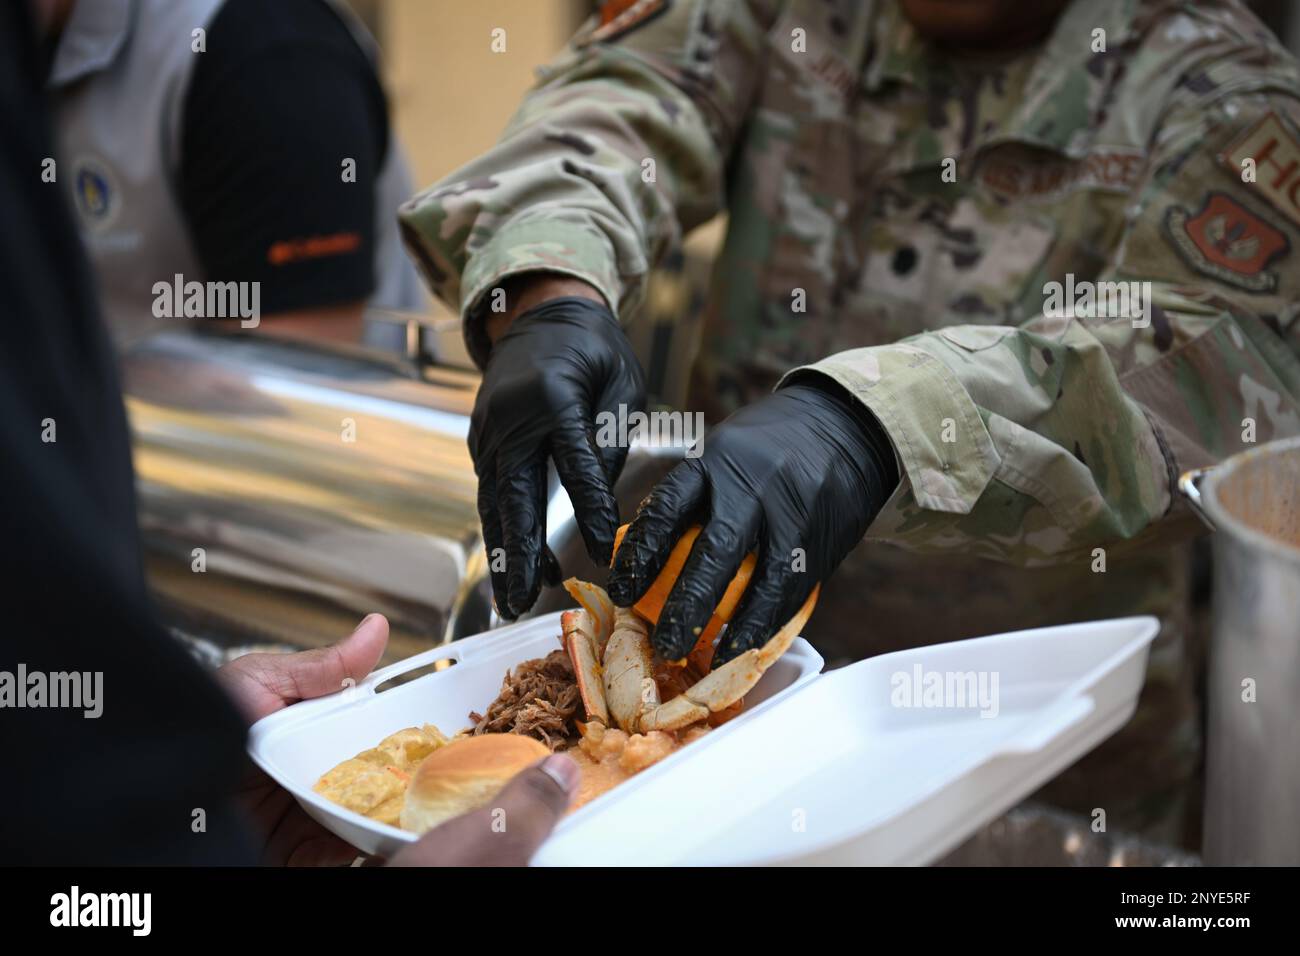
<point x="851" y="766"/>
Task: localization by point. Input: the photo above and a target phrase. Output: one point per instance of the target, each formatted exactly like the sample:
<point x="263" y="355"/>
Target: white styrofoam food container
<point x="851" y="766"/>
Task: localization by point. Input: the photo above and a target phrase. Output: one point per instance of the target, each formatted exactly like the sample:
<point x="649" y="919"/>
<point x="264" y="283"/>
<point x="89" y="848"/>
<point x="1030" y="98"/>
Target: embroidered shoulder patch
<point x="620" y="17"/>
<point x="1274" y="152"/>
<point x="1228" y="242"/>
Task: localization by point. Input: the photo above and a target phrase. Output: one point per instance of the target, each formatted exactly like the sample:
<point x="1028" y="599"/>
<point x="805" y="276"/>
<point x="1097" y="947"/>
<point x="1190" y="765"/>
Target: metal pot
<point x="1252" y="501"/>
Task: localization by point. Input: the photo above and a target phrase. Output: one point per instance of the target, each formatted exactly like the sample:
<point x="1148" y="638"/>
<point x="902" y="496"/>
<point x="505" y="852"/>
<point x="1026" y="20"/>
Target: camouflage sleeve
<point x="617" y="151"/>
<point x="1038" y="443"/>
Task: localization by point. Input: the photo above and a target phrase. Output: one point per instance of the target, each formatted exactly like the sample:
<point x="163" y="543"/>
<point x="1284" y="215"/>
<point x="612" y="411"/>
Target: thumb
<point x="533" y="802"/>
<point x="264" y="683"/>
<point x="508" y="831"/>
<point x="322" y="671"/>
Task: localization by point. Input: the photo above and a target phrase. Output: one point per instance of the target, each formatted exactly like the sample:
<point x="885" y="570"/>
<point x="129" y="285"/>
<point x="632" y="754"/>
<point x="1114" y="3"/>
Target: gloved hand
<point x="804" y="468"/>
<point x="554" y="369"/>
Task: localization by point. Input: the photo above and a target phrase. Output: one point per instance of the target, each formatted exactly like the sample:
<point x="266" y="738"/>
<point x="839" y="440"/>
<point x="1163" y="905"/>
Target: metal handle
<point x="1190" y="485"/>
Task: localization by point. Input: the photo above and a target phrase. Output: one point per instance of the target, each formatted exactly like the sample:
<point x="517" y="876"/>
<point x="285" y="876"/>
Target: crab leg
<point x="729" y="683"/>
<point x="581" y="644"/>
<point x="585" y="632"/>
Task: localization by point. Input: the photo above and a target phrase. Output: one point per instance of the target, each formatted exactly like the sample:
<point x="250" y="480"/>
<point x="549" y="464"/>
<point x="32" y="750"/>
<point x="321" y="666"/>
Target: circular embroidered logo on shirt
<point x="97" y="194"/>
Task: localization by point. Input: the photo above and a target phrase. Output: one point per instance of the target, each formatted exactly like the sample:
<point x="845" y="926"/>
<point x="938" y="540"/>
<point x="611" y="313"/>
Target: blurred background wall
<point x="451" y="94"/>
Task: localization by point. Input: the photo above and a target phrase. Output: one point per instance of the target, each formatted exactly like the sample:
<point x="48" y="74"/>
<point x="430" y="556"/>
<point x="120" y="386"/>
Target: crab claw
<point x="630" y="688"/>
<point x="593" y="599"/>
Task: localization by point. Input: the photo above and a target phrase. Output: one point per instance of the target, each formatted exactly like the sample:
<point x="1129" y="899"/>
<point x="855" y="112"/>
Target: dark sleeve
<point x="280" y="99"/>
<point x="120" y="787"/>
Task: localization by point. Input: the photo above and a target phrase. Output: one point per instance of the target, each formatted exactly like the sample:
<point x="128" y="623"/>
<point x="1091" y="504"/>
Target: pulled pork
<point x="540" y="699"/>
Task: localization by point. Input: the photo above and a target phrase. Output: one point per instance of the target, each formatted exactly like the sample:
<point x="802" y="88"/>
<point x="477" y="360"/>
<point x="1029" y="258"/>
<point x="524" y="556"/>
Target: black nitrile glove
<point x="804" y="468"/>
<point x="554" y="369"/>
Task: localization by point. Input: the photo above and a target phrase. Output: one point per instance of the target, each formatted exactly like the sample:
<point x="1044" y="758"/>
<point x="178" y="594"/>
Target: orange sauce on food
<point x="606" y="758"/>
